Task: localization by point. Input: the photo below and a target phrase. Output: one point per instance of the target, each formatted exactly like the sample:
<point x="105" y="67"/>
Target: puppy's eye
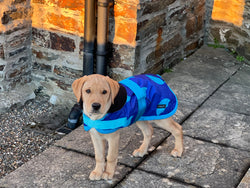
<point x="104" y="92"/>
<point x="88" y="91"/>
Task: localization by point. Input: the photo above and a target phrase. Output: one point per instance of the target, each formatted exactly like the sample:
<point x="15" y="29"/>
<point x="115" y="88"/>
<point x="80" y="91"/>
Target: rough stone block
<point x="200" y="21"/>
<point x="38" y="1"/>
<point x="18" y="1"/>
<point x="2" y="67"/>
<point x="16" y="73"/>
<point x="157" y="67"/>
<point x="150" y="27"/>
<point x="42" y="66"/>
<point x="1" y="52"/>
<point x="199" y="7"/>
<point x="41" y="38"/>
<point x="155" y="6"/>
<point x="10" y="15"/>
<point x="17" y="51"/>
<point x="122" y="57"/>
<point x="203" y="164"/>
<point x="191" y="25"/>
<point x="68" y="72"/>
<point x="62" y="43"/>
<point x="192" y="46"/>
<point x="62" y="83"/>
<point x="19" y="38"/>
<point x="244" y="50"/>
<point x="173" y="43"/>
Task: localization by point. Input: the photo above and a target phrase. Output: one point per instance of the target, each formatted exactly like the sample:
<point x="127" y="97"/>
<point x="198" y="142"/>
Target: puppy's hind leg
<point x="176" y="130"/>
<point x="147" y="131"/>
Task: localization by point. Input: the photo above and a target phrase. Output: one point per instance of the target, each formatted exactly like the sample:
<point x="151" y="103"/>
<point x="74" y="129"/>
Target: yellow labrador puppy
<point x="109" y="106"/>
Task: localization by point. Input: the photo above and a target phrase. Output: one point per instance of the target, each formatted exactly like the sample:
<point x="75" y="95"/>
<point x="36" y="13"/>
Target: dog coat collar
<point x="148" y="98"/>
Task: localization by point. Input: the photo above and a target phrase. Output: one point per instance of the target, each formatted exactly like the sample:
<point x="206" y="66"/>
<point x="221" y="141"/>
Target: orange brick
<point x="38" y="1"/>
<point x="125" y="33"/>
<point x="125" y="10"/>
<point x="69" y="4"/>
<point x="67" y="23"/>
<point x="229" y="11"/>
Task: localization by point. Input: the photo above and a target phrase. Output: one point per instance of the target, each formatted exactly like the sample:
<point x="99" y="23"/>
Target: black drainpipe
<point x="75" y="118"/>
<point x="89" y="36"/>
<point x="102" y="35"/>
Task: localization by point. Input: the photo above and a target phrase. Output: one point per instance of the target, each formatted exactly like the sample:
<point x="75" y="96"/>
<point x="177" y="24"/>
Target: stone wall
<point x="230" y="26"/>
<point x="144" y="36"/>
<point x="168" y="31"/>
<point x="15" y="43"/>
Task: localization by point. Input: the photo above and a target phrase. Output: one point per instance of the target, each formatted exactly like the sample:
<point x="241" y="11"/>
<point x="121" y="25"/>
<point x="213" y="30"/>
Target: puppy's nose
<point x="96" y="106"/>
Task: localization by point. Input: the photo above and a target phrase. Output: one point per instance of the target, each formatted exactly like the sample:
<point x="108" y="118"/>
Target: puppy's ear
<point x="77" y="87"/>
<point x="114" y="87"/>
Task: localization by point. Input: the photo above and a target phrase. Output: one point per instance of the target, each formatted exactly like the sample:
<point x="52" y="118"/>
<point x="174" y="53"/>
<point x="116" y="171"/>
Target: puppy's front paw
<point x="95" y="175"/>
<point x="107" y="175"/>
<point x="176" y="153"/>
<point x="139" y="153"/>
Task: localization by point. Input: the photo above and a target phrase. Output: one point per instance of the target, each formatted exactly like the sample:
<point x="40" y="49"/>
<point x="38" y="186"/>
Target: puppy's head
<point x="97" y="93"/>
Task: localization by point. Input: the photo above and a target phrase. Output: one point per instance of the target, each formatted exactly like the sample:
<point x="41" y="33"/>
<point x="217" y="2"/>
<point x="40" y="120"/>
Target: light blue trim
<point x="156" y="79"/>
<point x="110" y="124"/>
<point x="140" y="94"/>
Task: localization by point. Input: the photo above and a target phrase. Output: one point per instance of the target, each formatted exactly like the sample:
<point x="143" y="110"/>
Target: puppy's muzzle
<point x="96" y="106"/>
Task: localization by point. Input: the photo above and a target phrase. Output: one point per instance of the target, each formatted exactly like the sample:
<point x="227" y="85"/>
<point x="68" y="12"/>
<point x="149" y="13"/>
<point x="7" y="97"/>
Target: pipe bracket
<point x="101" y="4"/>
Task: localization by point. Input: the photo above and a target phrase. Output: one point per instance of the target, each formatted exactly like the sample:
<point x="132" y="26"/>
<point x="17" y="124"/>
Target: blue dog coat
<point x="148" y="98"/>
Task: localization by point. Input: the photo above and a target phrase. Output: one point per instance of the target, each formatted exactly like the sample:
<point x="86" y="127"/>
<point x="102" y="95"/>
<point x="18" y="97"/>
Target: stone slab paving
<point x="213" y="91"/>
<point x="242" y="76"/>
<point x="203" y="164"/>
<point x="131" y="138"/>
<point x="232" y="97"/>
<point x="57" y="167"/>
<point x="196" y="78"/>
<point x="140" y="178"/>
<point x="185" y="108"/>
<point x="219" y="126"/>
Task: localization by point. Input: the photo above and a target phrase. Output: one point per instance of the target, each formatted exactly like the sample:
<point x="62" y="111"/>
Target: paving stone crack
<point x="210" y="95"/>
<point x="186" y="118"/>
<point x="136" y="167"/>
<point x="76" y="151"/>
<point x="141" y="161"/>
<point x="177" y="180"/>
<point x="220" y="144"/>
